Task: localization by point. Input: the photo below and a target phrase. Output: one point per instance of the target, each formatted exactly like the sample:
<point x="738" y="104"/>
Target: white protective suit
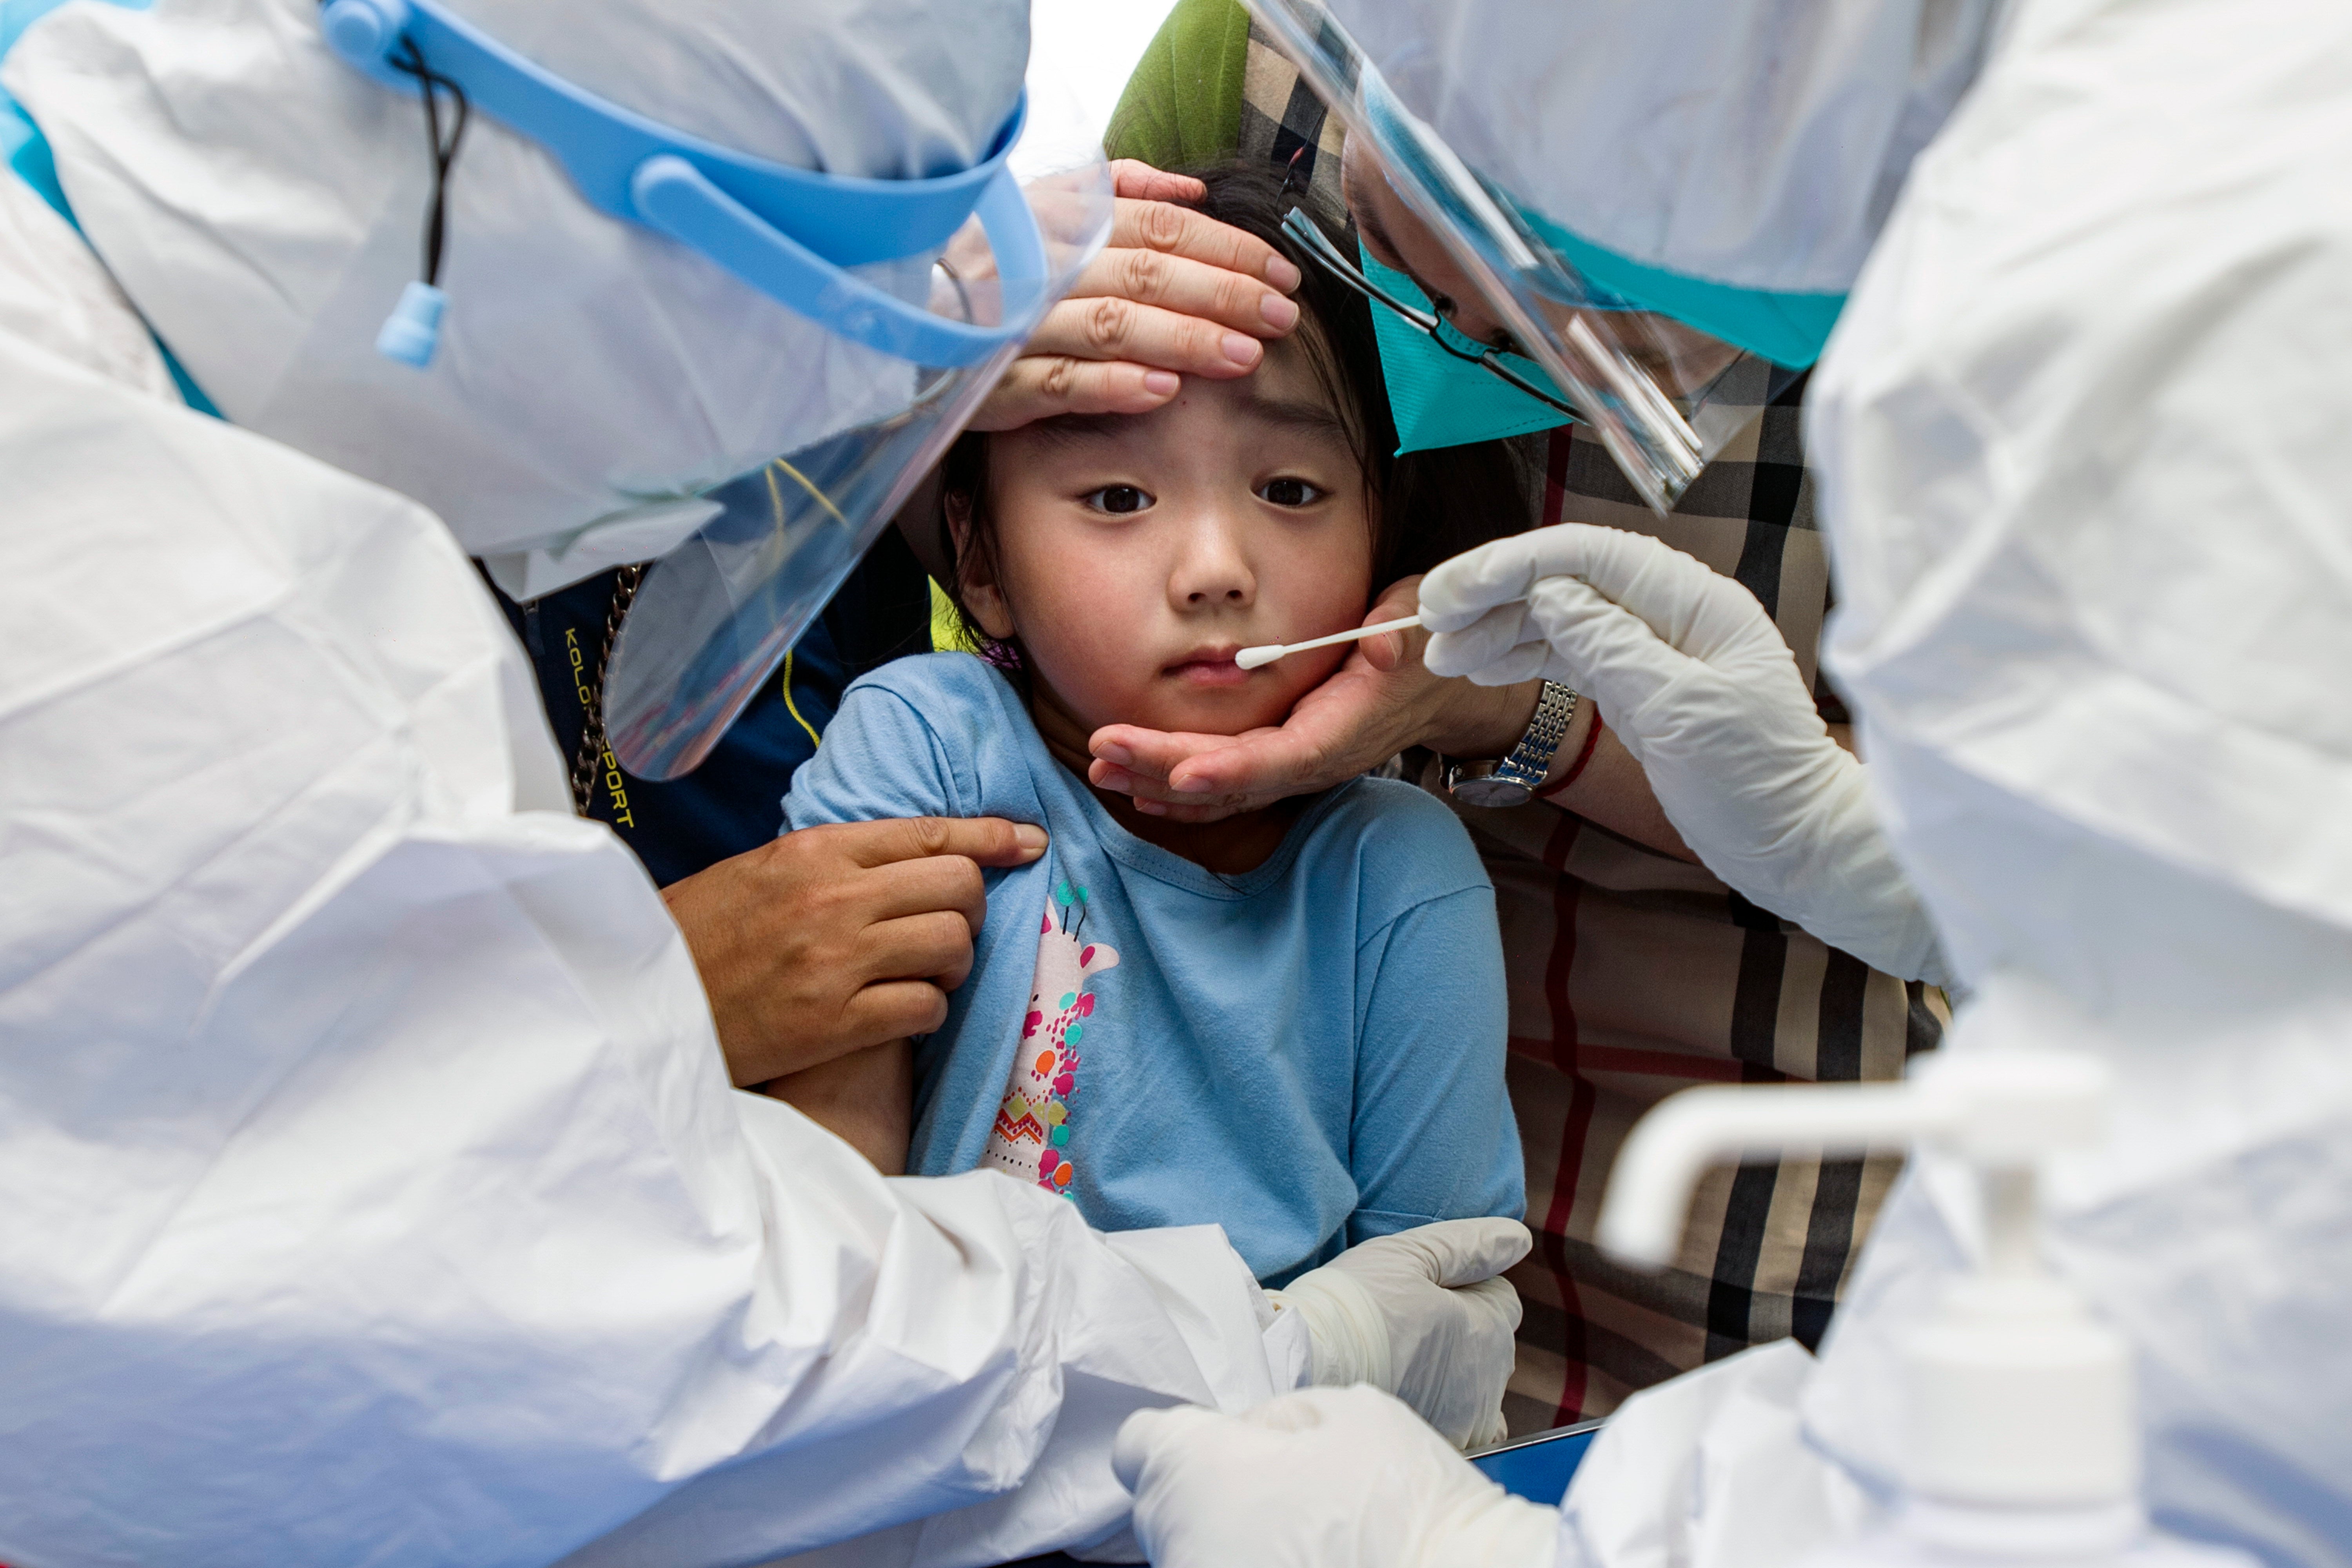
<point x="374" y="1188"/>
<point x="2080" y="438"/>
<point x="585" y="390"/>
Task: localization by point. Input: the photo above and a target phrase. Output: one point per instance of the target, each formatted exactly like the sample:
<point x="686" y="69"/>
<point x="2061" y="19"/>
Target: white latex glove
<point x="1697" y="682"/>
<point x="1326" y="1478"/>
<point x="1422" y="1315"/>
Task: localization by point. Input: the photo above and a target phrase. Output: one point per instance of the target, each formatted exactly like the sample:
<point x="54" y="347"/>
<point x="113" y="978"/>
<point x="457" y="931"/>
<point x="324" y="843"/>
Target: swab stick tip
<point x="1251" y="657"/>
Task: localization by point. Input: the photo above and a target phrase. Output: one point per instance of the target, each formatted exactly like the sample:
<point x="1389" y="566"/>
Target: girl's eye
<point x="1119" y="500"/>
<point x="1290" y="492"/>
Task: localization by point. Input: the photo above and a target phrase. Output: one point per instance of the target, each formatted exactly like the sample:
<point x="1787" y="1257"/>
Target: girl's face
<point x="1137" y="554"/>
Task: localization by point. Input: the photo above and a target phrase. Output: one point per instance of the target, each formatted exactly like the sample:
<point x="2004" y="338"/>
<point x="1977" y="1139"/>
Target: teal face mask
<point x="1789" y="329"/>
<point x="1436" y="399"/>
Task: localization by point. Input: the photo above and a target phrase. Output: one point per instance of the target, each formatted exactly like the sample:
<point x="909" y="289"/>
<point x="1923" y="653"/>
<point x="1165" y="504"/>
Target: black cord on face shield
<point x="443" y="153"/>
<point x="413" y="331"/>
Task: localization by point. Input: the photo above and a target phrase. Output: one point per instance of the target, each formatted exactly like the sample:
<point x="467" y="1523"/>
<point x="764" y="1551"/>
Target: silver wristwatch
<point x="1515" y="779"/>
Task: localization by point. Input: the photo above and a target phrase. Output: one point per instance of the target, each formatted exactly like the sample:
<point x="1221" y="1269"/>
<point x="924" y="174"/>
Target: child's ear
<point x="975" y="583"/>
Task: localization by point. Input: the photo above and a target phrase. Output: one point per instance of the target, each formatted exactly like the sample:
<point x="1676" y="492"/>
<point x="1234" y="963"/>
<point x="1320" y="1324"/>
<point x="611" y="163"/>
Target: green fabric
<point x="1182" y="107"/>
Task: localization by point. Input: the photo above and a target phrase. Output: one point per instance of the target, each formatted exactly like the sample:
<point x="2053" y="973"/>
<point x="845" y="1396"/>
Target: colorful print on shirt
<point x="1032" y="1136"/>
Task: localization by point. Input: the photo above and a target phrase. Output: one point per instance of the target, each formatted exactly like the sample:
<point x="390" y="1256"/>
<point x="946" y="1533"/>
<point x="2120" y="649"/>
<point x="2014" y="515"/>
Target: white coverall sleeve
<point x="1709" y="1469"/>
<point x="371" y="1171"/>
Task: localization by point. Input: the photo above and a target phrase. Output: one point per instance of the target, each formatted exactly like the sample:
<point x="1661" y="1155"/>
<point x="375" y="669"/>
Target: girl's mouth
<point x="1211" y="667"/>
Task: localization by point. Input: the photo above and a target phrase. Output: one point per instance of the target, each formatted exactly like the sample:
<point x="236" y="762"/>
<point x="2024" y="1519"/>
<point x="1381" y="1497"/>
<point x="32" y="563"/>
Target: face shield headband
<point x="789" y="233"/>
<point x="1662" y="397"/>
<point x="942" y="279"/>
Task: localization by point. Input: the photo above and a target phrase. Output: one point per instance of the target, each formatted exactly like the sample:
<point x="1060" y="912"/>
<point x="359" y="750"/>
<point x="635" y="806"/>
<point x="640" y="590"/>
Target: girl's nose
<point x="1212" y="569"/>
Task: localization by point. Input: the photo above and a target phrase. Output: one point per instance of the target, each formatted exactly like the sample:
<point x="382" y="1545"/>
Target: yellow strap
<point x="792" y="709"/>
<point x="948" y="633"/>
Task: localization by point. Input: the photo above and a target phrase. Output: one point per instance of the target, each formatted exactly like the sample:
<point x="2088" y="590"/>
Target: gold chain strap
<point x="595" y="751"/>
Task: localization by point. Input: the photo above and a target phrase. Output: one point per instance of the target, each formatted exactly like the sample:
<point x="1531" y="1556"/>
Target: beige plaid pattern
<point x="1633" y="974"/>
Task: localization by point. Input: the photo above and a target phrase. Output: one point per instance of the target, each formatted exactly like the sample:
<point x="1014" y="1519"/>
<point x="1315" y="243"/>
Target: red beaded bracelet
<point x="1591" y="738"/>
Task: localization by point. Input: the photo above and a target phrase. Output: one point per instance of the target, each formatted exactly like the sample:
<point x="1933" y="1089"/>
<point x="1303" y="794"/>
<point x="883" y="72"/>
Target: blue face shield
<point x="931" y="285"/>
<point x="1439" y="399"/>
<point x="791" y="233"/>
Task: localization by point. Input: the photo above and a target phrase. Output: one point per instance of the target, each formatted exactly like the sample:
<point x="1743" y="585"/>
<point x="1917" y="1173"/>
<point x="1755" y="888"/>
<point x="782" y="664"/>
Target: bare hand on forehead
<point x="1173" y="294"/>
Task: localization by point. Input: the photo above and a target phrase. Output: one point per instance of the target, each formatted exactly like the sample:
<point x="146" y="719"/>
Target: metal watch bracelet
<point x="1514" y="779"/>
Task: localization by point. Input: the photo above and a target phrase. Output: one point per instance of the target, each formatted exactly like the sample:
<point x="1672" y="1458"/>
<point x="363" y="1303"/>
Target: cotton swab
<point x="1251" y="657"/>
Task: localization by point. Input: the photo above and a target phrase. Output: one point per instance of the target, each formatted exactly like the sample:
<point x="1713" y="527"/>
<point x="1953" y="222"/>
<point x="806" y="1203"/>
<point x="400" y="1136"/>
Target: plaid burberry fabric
<point x="1631" y="974"/>
<point x="1284" y="124"/>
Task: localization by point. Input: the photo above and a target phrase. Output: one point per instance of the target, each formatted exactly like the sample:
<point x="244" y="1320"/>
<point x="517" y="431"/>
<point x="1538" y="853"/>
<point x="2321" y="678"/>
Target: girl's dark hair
<point x="1425" y="507"/>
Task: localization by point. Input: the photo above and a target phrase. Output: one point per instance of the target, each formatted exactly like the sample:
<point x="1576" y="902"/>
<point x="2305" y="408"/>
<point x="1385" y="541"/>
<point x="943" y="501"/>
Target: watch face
<point x="1491" y="793"/>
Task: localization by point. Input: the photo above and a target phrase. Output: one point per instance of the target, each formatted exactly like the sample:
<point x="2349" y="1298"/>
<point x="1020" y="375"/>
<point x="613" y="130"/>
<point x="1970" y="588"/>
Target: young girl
<point x="1290" y="1023"/>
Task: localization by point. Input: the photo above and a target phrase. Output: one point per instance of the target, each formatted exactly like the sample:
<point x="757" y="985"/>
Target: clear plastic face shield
<point x="715" y="617"/>
<point x="1662" y="397"/>
<point x="931" y="287"/>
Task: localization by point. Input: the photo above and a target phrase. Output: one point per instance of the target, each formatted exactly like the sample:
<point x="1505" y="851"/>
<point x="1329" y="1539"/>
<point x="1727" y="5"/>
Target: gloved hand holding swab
<point x="1251" y="657"/>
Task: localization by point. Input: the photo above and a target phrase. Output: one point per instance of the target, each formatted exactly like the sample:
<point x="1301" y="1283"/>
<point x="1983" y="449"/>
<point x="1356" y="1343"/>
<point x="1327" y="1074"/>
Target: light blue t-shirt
<point x="1309" y="1055"/>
